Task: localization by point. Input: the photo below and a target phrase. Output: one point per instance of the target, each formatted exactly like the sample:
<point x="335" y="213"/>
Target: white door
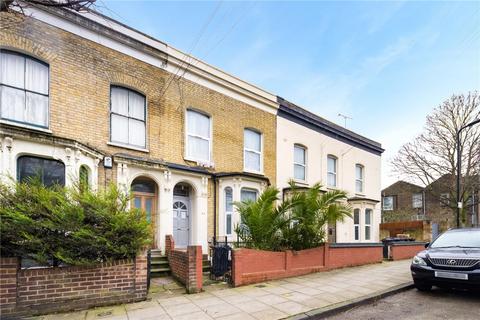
<point x="181" y="223"/>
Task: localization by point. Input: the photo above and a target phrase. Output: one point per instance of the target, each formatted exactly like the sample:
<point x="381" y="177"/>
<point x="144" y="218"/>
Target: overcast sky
<point x="385" y="64"/>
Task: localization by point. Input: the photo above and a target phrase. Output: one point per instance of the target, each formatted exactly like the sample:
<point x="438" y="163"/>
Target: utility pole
<point x="459" y="168"/>
<point x="345" y="117"/>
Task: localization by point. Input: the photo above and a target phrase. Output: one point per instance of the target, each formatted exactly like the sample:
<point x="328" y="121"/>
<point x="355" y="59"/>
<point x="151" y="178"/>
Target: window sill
<point x="202" y="163"/>
<point x="330" y="188"/>
<point x="126" y="146"/>
<point x="301" y="183"/>
<point x="360" y="194"/>
<point x="253" y="172"/>
<point x="26" y="126"/>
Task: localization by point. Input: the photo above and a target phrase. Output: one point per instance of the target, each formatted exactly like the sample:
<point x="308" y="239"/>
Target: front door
<point x="146" y="202"/>
<point x="181" y="222"/>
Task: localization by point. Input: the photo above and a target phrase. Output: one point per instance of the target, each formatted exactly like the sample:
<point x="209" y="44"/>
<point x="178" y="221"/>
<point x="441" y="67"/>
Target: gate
<point x="221" y="254"/>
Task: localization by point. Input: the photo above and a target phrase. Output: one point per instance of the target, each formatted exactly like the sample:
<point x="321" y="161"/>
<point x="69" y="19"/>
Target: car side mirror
<point x="427" y="244"/>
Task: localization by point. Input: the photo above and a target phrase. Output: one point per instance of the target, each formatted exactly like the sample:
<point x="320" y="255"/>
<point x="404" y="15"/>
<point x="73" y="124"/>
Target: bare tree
<point x="20" y="5"/>
<point x="432" y="154"/>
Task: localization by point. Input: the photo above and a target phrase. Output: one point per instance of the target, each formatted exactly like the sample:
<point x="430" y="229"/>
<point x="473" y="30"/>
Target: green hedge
<point x="74" y="226"/>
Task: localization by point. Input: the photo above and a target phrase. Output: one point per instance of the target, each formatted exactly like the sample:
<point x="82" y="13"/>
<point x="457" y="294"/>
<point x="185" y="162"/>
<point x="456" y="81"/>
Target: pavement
<point x="415" y="305"/>
<point x="292" y="297"/>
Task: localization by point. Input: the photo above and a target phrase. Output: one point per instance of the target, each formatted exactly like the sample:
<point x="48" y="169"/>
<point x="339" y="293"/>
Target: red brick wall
<point x="253" y="266"/>
<point x="8" y="284"/>
<point x="343" y="256"/>
<point x="185" y="265"/>
<point x="46" y="290"/>
<point x="402" y="251"/>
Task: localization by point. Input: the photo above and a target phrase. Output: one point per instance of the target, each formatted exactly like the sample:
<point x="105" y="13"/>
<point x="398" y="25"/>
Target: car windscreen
<point x="467" y="239"/>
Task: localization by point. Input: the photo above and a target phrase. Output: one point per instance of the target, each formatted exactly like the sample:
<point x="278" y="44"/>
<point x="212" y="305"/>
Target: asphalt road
<point x="413" y="305"/>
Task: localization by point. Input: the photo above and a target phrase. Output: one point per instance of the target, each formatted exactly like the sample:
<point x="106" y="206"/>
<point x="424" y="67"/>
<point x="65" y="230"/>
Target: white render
<point x="319" y="146"/>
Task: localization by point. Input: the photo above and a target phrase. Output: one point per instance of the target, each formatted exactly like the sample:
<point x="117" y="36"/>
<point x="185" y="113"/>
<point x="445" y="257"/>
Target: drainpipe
<point x="214" y="178"/>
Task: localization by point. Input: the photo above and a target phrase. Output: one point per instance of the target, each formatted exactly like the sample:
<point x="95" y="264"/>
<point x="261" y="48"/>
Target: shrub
<point x="74" y="226"/>
<point x="298" y="222"/>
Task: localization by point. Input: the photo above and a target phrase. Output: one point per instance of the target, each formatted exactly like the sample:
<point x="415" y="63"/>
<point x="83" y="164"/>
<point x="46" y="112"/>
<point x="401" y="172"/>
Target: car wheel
<point x="422" y="286"/>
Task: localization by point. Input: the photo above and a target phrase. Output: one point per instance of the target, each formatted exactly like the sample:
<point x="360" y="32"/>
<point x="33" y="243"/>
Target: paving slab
<point x="271" y="300"/>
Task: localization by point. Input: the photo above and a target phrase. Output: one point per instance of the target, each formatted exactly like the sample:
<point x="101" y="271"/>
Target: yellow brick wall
<point x="81" y="73"/>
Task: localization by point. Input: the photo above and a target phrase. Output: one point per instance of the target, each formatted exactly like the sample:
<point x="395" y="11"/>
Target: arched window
<point x="331" y="171"/>
<point x="50" y="172"/>
<point x="252" y="150"/>
<point x="228" y="210"/>
<point x="198" y="128"/>
<point x="359" y="176"/>
<point x="128" y="111"/>
<point x="299" y="162"/>
<point x="84" y="177"/>
<point x="23" y="89"/>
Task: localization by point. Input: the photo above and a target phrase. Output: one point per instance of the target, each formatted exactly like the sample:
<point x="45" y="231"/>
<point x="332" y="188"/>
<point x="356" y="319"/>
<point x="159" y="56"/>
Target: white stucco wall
<point x="319" y="146"/>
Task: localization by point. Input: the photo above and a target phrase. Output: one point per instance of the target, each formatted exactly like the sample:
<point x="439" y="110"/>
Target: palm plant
<point x="262" y="221"/>
<point x="310" y="213"/>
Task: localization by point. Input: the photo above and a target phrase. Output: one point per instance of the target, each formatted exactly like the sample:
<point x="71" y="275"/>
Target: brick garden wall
<point x="253" y="266"/>
<point x="185" y="265"/>
<point x="399" y="251"/>
<point x="44" y="290"/>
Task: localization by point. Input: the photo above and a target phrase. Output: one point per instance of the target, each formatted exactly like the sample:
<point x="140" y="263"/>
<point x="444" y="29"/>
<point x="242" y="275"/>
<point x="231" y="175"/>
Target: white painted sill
<point x="26" y="126"/>
<point x="126" y="146"/>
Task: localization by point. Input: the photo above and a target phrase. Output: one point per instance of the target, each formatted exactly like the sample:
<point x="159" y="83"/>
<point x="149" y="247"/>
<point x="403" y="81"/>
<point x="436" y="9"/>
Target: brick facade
<point x="399" y="251"/>
<point x="185" y="265"/>
<point x="45" y="290"/>
<point x="401" y="192"/>
<point x="253" y="266"/>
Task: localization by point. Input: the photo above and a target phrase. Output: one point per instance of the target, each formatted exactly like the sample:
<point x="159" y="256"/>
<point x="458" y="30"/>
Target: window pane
<point x="357" y="233"/>
<point x="148" y="209"/>
<point x="12" y="104"/>
<point x="50" y="172"/>
<point x="367" y="232"/>
<point x="299" y="172"/>
<point x="229" y="224"/>
<point x="417" y="200"/>
<point x="136" y="131"/>
<point x="119" y="101"/>
<point x="198" y="124"/>
<point x="198" y="148"/>
<point x="12" y="69"/>
<point x="146" y="186"/>
<point x="359" y="172"/>
<point x="248" y="195"/>
<point x="332" y="164"/>
<point x="228" y="200"/>
<point x="252" y="140"/>
<point x="358" y="186"/>
<point x="299" y="155"/>
<point x="368" y="216"/>
<point x="331" y="180"/>
<point x="252" y="161"/>
<point x="136" y="105"/>
<point x="119" y="128"/>
<point x="356" y="216"/>
<point x="36" y="109"/>
<point x="387" y="203"/>
<point x="36" y="76"/>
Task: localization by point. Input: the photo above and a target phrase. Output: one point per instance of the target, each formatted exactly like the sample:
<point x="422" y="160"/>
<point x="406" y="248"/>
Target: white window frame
<point x="245" y="150"/>
<point x="145" y="110"/>
<point x="249" y="189"/>
<point x="209" y="139"/>
<point x="368" y="225"/>
<point x="383" y="203"/>
<point x="361" y="179"/>
<point x="228" y="213"/>
<point x="356" y="226"/>
<point x="23" y="123"/>
<point x="304" y="165"/>
<point x="415" y="201"/>
<point x="334" y="173"/>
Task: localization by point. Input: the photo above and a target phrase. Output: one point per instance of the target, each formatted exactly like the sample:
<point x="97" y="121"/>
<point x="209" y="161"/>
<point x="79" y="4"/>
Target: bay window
<point x="252" y="151"/>
<point x="24" y="93"/>
<point x="127" y="117"/>
<point x="198" y="136"/>
<point x="299" y="162"/>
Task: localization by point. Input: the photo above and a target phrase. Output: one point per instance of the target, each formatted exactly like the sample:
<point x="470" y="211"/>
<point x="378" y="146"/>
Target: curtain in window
<point x="332" y="170"/>
<point x="252" y="154"/>
<point x="248" y="195"/>
<point x="128" y="117"/>
<point x="253" y="140"/>
<point x="198" y="140"/>
<point x="24" y="89"/>
<point x="299" y="160"/>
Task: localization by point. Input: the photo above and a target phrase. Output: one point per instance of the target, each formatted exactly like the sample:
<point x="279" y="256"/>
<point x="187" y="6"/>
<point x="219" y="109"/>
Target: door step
<point x="159" y="266"/>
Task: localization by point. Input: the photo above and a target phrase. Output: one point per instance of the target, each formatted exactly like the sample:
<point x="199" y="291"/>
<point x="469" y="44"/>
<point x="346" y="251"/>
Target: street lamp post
<point x="459" y="168"/>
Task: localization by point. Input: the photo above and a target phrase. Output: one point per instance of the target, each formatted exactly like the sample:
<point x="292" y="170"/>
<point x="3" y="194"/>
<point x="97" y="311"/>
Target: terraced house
<point x="86" y="97"/>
